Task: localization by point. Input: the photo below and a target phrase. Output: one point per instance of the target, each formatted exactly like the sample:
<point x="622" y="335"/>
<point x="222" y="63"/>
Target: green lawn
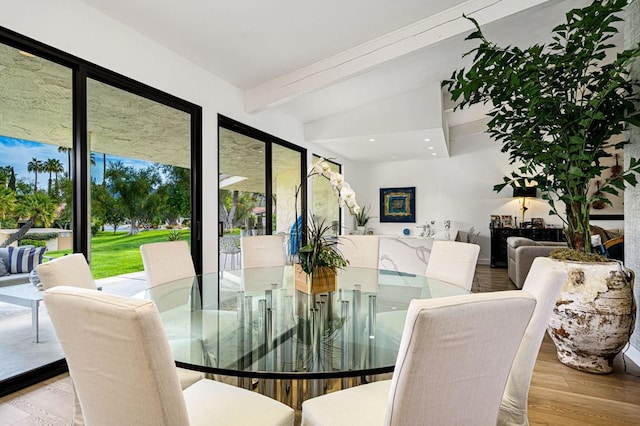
<point x="119" y="253"/>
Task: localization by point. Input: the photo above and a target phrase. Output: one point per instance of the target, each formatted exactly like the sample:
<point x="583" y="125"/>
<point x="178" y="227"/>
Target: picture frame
<point x="537" y="222"/>
<point x="398" y="205"/>
<point x="507" y="221"/>
<point x="496" y="221"/>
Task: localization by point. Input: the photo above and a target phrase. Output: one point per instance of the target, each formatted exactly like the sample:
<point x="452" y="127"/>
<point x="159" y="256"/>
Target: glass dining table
<point x="254" y="326"/>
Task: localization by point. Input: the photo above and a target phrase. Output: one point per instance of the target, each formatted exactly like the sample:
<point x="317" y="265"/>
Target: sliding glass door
<point x="90" y="162"/>
<point x="259" y="187"/>
<point x="140" y="177"/>
<point x="36" y="196"/>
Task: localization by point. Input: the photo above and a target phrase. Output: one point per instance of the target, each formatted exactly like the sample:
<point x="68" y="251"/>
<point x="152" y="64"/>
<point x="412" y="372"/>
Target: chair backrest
<point x="123" y="340"/>
<point x="262" y="251"/>
<point x="167" y="261"/>
<point x="71" y="270"/>
<point x="544" y="281"/>
<point x="454" y="262"/>
<point x="454" y="358"/>
<point x="362" y="251"/>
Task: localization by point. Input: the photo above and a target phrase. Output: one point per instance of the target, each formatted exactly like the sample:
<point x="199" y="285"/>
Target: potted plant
<point x="362" y="218"/>
<point x="319" y="258"/>
<point x="555" y="109"/>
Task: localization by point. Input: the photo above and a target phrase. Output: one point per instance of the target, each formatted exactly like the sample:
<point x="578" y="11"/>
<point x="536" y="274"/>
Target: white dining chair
<point x="453" y="262"/>
<point x="362" y="251"/>
<point x="72" y="270"/>
<point x="171" y="262"/>
<point x="262" y="251"/>
<point x="451" y="369"/>
<point x="166" y="262"/>
<point x="123" y="370"/>
<point x="263" y="260"/>
<point x="544" y="281"/>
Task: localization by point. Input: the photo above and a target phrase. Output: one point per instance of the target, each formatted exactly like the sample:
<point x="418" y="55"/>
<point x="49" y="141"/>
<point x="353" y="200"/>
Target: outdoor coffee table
<point x="24" y="295"/>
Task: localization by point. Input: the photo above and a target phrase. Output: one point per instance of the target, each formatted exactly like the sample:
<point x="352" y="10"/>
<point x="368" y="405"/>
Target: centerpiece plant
<point x="321" y="247"/>
<point x="556" y="109"/>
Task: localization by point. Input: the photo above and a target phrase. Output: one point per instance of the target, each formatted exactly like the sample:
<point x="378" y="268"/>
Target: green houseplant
<point x="320" y="256"/>
<point x="554" y="109"/>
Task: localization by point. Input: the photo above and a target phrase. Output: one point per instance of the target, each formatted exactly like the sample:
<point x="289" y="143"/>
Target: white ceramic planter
<point x="594" y="315"/>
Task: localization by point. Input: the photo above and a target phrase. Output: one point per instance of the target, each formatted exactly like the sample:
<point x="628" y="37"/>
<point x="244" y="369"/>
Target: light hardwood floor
<point x="559" y="395"/>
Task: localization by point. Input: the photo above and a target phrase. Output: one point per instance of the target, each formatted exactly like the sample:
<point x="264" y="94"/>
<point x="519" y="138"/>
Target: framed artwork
<point x="537" y="222"/>
<point x="496" y="222"/>
<point x="398" y="204"/>
<point x="507" y="221"/>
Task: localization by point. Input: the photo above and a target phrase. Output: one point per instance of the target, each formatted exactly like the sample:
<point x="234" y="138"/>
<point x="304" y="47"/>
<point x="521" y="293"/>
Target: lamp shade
<point x="529" y="191"/>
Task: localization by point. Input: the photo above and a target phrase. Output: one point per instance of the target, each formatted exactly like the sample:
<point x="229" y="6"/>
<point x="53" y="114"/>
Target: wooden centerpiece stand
<point x="322" y="280"/>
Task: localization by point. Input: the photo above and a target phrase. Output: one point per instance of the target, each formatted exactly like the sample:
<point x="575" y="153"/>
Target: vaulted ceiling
<point x="363" y="76"/>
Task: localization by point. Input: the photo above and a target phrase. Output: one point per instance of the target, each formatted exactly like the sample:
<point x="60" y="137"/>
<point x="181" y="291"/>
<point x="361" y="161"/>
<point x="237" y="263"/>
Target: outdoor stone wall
<point x="632" y="195"/>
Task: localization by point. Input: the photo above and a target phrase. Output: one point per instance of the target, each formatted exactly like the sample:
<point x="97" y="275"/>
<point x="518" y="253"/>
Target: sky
<point x="19" y="152"/>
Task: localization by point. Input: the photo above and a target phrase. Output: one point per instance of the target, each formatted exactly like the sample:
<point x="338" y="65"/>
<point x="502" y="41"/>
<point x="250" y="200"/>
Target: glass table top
<point x="254" y="323"/>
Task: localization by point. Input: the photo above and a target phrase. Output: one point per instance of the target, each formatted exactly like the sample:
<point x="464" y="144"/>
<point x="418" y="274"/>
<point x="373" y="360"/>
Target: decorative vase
<point x="321" y="280"/>
<point x="594" y="315"/>
<point x="360" y="230"/>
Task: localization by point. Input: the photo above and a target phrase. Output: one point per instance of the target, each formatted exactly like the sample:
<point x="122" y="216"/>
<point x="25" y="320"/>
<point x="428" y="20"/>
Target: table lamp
<point x="526" y="192"/>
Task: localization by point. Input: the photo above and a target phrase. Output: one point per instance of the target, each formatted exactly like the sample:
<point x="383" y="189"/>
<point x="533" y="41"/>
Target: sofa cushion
<point x="516" y="242"/>
<point x="4" y="255"/>
<point x="4" y="268"/>
<point x="24" y="260"/>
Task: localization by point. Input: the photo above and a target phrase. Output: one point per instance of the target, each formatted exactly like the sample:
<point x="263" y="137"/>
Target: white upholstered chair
<point x="72" y="270"/>
<point x="454" y="262"/>
<point x="453" y="362"/>
<point x="262" y="251"/>
<point x="362" y="251"/>
<point x="121" y="338"/>
<point x="167" y="261"/>
<point x="266" y="252"/>
<point x="544" y="281"/>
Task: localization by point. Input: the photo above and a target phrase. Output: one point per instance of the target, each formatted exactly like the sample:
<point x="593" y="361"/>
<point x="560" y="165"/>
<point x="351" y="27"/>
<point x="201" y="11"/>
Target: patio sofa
<point x="12" y="278"/>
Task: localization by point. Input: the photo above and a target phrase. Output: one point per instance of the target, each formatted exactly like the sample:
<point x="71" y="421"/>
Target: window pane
<point x="140" y="177"/>
<point x="324" y="201"/>
<point x="35" y="193"/>
<point x="242" y="184"/>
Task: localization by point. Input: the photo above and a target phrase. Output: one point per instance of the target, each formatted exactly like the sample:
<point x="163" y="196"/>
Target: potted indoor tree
<point x="556" y="109"/>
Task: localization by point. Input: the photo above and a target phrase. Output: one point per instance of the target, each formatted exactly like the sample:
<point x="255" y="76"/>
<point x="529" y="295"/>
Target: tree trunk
<point x="20" y="233"/>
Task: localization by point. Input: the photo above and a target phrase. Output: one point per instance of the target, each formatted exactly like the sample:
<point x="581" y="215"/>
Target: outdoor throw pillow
<point x="4" y="269"/>
<point x="35" y="280"/>
<point x="22" y="260"/>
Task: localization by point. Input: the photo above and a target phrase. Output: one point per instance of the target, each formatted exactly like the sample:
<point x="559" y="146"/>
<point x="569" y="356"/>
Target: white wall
<point x="78" y="29"/>
<point x="458" y="188"/>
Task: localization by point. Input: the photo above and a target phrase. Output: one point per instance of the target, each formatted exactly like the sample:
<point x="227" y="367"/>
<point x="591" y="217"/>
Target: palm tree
<point x="37" y="207"/>
<point x="48" y="166"/>
<point x="7" y="202"/>
<point x="67" y="151"/>
<point x="57" y="168"/>
<point x="35" y="166"/>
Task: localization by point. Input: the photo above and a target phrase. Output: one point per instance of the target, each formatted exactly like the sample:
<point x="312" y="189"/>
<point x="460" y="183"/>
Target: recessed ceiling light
<point x="372" y="140"/>
<point x="434" y="153"/>
<point x="427" y="140"/>
<point x="430" y="147"/>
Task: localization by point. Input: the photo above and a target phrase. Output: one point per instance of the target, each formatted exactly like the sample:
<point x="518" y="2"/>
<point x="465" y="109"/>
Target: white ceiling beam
<point x="408" y="39"/>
